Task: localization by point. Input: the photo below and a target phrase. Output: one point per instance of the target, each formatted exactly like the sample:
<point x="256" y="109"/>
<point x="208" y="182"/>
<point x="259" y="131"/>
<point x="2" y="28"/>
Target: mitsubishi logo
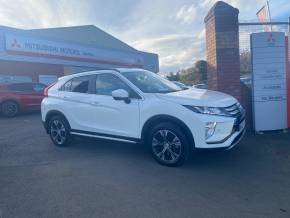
<point x="15" y="44"/>
<point x="271" y="40"/>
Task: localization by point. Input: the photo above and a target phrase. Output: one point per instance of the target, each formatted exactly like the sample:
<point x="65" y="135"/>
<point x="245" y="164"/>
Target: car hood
<point x="199" y="97"/>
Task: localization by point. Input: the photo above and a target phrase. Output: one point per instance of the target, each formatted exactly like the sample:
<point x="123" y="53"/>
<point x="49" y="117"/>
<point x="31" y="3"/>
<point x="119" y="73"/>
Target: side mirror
<point x="121" y="94"/>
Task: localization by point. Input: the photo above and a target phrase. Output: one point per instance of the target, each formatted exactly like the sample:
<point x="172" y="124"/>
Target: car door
<point x="110" y="117"/>
<point x="76" y="102"/>
<point x="25" y="95"/>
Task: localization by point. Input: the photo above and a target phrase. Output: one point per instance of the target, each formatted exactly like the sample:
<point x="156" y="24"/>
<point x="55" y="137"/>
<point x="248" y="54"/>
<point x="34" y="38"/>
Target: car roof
<point x="13" y="83"/>
<point x="87" y="73"/>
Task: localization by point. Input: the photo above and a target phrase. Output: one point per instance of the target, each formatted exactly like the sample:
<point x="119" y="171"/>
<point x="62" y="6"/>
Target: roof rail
<point x="114" y="69"/>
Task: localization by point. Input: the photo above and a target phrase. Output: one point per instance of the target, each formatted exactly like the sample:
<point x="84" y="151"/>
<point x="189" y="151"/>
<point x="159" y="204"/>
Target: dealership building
<point x="43" y="55"/>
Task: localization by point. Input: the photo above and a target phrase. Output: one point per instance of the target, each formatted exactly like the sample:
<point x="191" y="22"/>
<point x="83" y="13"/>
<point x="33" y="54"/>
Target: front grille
<point x="234" y="110"/>
<point x="238" y="112"/>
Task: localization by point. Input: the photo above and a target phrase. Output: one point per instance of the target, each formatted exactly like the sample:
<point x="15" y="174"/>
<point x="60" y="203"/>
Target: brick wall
<point x="222" y="49"/>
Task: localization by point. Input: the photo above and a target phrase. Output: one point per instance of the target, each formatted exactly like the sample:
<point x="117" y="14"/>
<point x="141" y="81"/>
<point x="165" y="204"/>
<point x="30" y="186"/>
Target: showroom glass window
<point x="107" y="83"/>
<point x="14" y="79"/>
<point x="38" y="87"/>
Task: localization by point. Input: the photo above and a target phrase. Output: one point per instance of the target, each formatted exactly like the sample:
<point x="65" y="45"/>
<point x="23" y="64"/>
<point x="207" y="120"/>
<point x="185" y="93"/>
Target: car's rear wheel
<point x="59" y="131"/>
<point x="9" y="108"/>
<point x="169" y="145"/>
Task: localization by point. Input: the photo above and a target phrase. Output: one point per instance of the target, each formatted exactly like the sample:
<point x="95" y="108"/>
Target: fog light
<point x="209" y="129"/>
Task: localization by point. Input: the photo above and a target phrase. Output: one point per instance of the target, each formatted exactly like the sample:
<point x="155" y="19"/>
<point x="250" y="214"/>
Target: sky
<point x="174" y="29"/>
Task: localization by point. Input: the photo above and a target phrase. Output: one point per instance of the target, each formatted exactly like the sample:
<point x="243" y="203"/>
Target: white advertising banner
<point x="269" y="93"/>
<point x="42" y="48"/>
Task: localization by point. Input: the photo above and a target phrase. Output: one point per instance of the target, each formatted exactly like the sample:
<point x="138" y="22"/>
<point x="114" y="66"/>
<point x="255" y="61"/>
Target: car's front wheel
<point x="169" y="145"/>
<point x="59" y="131"/>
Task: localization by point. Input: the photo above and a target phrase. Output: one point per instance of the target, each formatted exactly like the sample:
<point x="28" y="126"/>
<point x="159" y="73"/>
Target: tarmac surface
<point x="97" y="178"/>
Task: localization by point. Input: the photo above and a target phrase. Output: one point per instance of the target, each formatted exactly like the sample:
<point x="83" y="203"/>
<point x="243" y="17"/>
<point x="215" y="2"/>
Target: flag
<point x="264" y="16"/>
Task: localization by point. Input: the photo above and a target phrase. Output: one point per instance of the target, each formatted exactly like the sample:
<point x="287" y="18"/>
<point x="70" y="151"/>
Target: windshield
<point x="181" y="85"/>
<point x="149" y="82"/>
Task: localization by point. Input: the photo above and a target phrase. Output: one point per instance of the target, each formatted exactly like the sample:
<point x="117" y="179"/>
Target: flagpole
<point x="270" y="19"/>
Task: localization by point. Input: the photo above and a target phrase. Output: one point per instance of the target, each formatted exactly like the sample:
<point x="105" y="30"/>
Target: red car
<point x="20" y="97"/>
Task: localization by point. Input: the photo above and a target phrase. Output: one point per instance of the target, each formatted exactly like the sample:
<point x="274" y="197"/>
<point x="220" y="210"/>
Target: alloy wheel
<point x="166" y="146"/>
<point x="58" y="132"/>
<point x="10" y="109"/>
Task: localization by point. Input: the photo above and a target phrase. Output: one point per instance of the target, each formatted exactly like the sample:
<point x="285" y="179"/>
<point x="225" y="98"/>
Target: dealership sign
<point x="42" y="48"/>
<point x="269" y="80"/>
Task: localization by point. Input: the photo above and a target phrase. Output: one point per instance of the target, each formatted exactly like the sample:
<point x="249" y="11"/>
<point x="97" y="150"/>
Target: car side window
<point x="21" y="87"/>
<point x="107" y="83"/>
<point x="79" y="84"/>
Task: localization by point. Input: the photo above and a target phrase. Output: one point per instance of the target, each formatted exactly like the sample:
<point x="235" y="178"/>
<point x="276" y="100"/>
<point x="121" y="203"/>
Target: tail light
<point x="47" y="88"/>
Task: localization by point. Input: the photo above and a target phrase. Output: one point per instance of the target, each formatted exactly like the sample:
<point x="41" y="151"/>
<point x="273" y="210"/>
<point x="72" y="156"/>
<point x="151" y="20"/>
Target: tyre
<point x="168" y="144"/>
<point x="9" y="109"/>
<point x="59" y="131"/>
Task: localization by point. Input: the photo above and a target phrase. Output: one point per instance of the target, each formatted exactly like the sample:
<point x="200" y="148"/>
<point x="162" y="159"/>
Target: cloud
<point x="174" y="29"/>
<point x="207" y="3"/>
<point x="186" y="14"/>
<point x="176" y="51"/>
<point x="38" y="14"/>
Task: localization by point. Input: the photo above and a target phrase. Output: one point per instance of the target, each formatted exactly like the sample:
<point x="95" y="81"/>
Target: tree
<point x="246" y="62"/>
<point x="173" y="76"/>
<point x="195" y="74"/>
<point x="201" y="71"/>
<point x="187" y="76"/>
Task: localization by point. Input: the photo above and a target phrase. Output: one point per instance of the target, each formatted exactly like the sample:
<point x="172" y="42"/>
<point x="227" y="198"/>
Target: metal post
<point x="270" y="19"/>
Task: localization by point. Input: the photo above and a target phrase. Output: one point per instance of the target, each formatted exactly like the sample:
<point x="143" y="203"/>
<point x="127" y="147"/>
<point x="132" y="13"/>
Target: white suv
<point x="135" y="105"/>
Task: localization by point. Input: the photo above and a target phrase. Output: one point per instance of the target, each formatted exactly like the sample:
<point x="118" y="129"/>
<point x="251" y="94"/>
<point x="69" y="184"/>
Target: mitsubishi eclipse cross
<point x="135" y="105"/>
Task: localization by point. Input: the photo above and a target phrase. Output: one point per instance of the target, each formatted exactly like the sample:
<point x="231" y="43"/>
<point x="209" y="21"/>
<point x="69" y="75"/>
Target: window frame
<point x="90" y="86"/>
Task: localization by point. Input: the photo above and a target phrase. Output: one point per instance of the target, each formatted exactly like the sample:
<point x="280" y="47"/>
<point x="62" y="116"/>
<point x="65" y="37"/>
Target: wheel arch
<point x="166" y="118"/>
<point x="11" y="99"/>
<point x="52" y="113"/>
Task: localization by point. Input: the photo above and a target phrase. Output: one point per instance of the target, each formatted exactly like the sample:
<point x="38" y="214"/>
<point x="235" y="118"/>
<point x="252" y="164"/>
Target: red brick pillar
<point x="222" y="49"/>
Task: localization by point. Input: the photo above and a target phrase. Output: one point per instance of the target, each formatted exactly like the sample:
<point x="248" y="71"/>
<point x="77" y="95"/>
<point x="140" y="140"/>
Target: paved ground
<point x="95" y="178"/>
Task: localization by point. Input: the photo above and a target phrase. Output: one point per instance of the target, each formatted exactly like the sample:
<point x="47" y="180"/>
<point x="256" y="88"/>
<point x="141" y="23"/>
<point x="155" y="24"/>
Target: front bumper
<point x="237" y="139"/>
<point x="232" y="140"/>
<point x="228" y="133"/>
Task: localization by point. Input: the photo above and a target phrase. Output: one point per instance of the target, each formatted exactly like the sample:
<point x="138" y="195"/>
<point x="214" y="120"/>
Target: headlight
<point x="208" y="110"/>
